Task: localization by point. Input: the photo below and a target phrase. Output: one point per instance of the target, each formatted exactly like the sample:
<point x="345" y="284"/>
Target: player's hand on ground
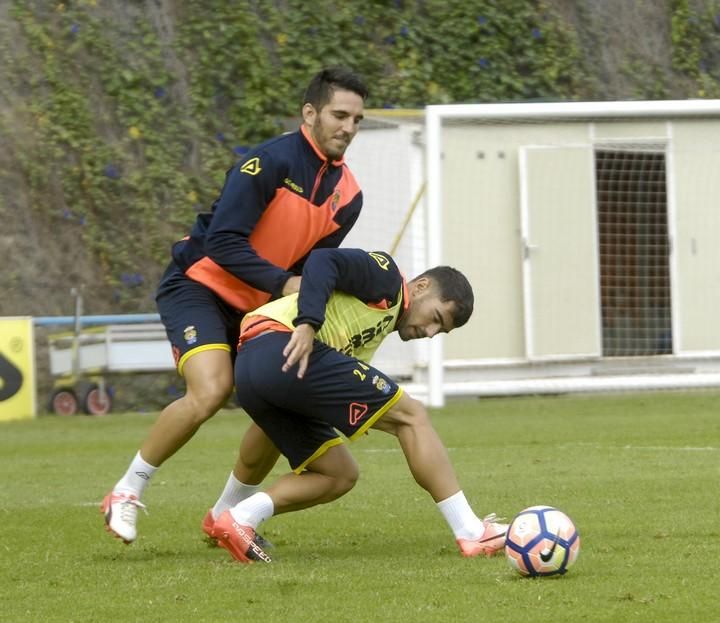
<point x="298" y="349"/>
<point x="291" y="286"/>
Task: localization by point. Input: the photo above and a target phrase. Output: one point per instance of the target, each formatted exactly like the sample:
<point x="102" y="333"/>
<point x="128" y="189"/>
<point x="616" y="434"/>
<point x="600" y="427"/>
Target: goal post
<point x="589" y="232"/>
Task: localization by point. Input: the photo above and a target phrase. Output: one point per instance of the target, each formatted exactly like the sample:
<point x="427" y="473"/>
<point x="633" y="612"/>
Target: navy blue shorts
<point x="195" y="318"/>
<point x="303" y="416"/>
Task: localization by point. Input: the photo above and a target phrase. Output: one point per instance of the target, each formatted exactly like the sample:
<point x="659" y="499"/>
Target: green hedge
<point x="127" y="114"/>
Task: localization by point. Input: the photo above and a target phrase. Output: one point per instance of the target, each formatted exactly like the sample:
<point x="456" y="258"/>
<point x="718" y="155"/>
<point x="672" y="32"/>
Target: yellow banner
<point x="17" y="369"/>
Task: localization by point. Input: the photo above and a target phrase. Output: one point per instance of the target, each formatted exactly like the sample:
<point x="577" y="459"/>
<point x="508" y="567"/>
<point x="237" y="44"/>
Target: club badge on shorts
<point x="381" y="384"/>
<point x="190" y="335"/>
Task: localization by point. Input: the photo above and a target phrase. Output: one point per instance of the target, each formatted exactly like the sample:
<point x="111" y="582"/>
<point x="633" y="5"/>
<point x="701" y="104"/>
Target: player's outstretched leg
<point x="430" y="465"/>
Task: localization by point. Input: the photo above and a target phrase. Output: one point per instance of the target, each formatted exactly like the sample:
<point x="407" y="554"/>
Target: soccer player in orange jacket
<point x="287" y="196"/>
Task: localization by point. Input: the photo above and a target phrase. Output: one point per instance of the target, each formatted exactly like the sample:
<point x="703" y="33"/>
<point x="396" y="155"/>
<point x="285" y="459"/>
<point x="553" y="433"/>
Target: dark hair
<point x="321" y="88"/>
<point x="453" y="286"/>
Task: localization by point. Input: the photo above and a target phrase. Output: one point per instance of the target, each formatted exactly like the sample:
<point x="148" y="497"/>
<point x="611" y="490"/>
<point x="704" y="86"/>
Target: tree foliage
<point x="122" y="117"/>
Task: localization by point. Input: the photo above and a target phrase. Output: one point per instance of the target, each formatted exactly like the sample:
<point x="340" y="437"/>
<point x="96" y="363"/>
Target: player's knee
<point x="351" y="477"/>
<point x="208" y="399"/>
<point x="344" y="476"/>
<point x="343" y="483"/>
<point x="255" y="465"/>
<point x="339" y="472"/>
<point x="407" y="413"/>
<point x="209" y="379"/>
<point x="419" y="415"/>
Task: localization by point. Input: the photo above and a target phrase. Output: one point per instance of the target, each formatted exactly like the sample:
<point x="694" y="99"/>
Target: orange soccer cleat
<point x="490" y="543"/>
<point x="208" y="524"/>
<point x="238" y="539"/>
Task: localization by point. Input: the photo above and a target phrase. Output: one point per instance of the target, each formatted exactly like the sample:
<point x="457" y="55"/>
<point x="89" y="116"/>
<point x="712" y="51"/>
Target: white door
<point x="559" y="251"/>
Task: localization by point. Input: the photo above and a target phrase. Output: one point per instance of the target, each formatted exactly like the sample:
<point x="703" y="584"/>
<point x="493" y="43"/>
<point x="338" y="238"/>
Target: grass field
<point x="638" y="474"/>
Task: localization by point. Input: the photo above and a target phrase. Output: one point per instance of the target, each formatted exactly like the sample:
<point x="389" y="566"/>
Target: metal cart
<point x="79" y="359"/>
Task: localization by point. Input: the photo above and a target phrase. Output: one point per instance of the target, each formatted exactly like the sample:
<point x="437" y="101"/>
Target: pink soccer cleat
<point x="490" y="543"/>
<point x="238" y="539"/>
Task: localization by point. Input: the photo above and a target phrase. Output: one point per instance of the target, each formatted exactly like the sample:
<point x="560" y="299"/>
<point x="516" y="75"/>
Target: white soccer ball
<point x="542" y="540"/>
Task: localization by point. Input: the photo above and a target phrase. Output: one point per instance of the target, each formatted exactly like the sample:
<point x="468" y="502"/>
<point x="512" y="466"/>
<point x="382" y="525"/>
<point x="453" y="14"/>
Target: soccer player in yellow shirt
<point x="302" y="374"/>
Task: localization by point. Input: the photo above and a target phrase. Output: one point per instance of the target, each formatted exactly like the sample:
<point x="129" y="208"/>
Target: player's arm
<point x="247" y="192"/>
<point x="373" y="277"/>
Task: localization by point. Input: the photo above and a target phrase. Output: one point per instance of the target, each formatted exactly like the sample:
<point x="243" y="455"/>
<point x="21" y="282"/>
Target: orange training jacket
<point x="280" y="202"/>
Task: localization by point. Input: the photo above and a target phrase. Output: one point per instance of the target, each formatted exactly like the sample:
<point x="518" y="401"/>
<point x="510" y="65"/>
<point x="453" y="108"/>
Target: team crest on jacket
<point x="190" y="334"/>
<point x="381" y="384"/>
<point x="335" y="200"/>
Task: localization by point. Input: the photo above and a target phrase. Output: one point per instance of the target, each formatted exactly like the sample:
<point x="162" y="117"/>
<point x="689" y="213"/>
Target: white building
<point x="590" y="233"/>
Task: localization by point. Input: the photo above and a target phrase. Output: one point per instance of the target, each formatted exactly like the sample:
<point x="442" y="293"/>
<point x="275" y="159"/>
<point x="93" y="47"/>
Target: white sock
<point x="464" y="523"/>
<point x="233" y="493"/>
<point x="137" y="477"/>
<point x="253" y="510"/>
